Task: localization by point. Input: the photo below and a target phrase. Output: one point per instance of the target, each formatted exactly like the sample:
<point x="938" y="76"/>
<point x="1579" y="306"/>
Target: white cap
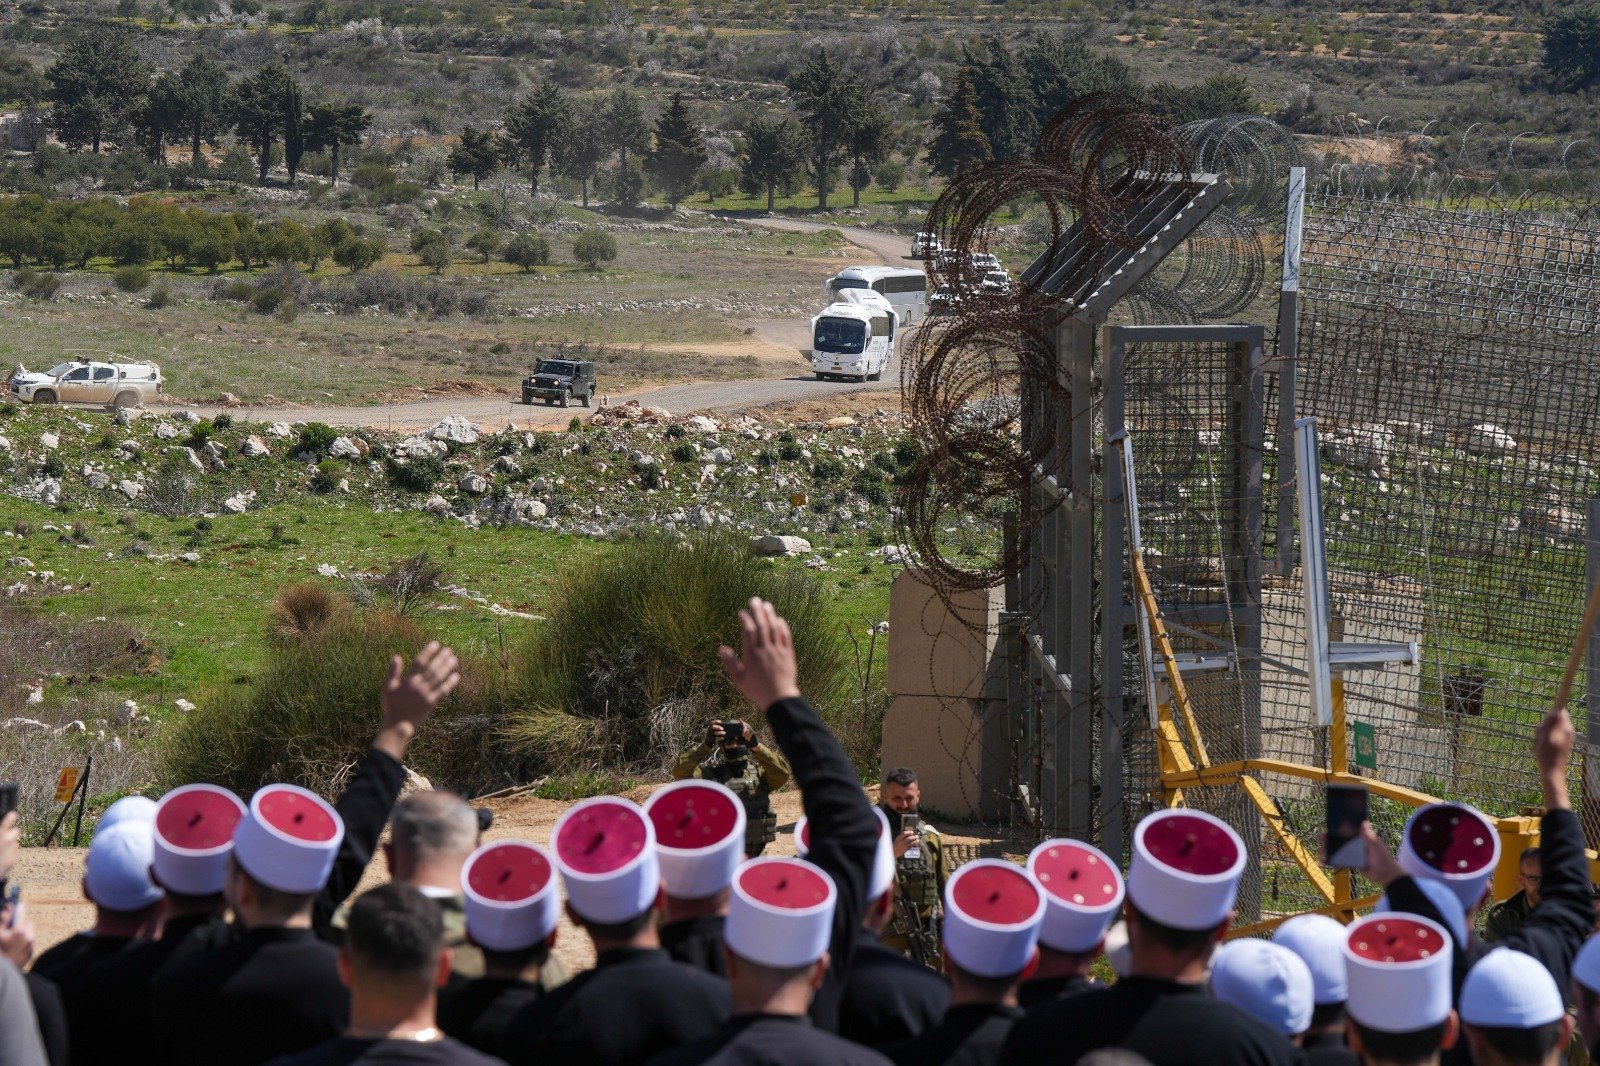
<point x="1507" y="989"/>
<point x="882" y="859"/>
<point x="1186" y="868"/>
<point x="780" y="913"/>
<point x="1267" y="981"/>
<point x="194" y="827"/>
<point x="1399" y="967"/>
<point x="699" y="836"/>
<point x="1319" y="942"/>
<point x="1452" y="843"/>
<point x="992" y="913"/>
<point x="509" y="888"/>
<point x="605" y="848"/>
<point x="127" y="809"/>
<point x="1586" y="967"/>
<point x="1444" y="900"/>
<point x="1119" y="954"/>
<point x="1083" y="891"/>
<point x="288" y="839"/>
<point x="116" y="874"/>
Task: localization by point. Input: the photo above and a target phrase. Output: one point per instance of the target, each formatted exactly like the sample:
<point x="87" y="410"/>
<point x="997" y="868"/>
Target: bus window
<point x="881" y="326"/>
<point x="844" y="335"/>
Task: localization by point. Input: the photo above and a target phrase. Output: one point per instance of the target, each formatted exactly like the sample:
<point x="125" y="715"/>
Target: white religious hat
<point x="1586" y="967"/>
<point x="194" y="827"/>
<point x="509" y="888"/>
<point x="1186" y="868"/>
<point x="700" y="829"/>
<point x="127" y="809"/>
<point x="116" y="874"/>
<point x="1507" y="989"/>
<point x="780" y="913"/>
<point x="1399" y="971"/>
<point x="1319" y="942"/>
<point x="992" y="913"/>
<point x="1083" y="892"/>
<point x="605" y="848"/>
<point x="1267" y="981"/>
<point x="1452" y="843"/>
<point x="882" y="858"/>
<point x="288" y="839"/>
<point x="1444" y="900"/>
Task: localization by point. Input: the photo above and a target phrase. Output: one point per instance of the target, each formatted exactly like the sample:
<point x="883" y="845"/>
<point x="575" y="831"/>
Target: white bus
<point x="905" y="289"/>
<point x="853" y="337"/>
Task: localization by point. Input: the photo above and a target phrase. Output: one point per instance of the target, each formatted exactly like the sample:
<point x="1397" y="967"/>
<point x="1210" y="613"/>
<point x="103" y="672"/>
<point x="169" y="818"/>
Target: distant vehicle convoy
<point x="82" y="381"/>
<point x="853" y="337"/>
<point x="560" y="379"/>
<point x="905" y="288"/>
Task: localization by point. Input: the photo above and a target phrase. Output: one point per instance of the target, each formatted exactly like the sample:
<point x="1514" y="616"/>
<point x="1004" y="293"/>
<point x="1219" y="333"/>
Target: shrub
<point x="53" y="466"/>
<point x="327" y="475"/>
<point x="676" y="431"/>
<point x="685" y="452"/>
<point x="130" y="278"/>
<point x="270" y="298"/>
<point x="827" y="469"/>
<point x="527" y="250"/>
<point x="486" y="243"/>
<point x="222" y="420"/>
<point x="42" y="286"/>
<point x="357" y="254"/>
<point x="160" y="296"/>
<point x="789" y="451"/>
<point x="316" y="438"/>
<point x="624" y="669"/>
<point x="593" y="247"/>
<point x="418" y="475"/>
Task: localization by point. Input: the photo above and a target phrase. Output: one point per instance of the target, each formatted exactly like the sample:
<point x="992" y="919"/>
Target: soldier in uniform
<point x="733" y="755"/>
<point x="921" y="869"/>
<point x="1507" y="918"/>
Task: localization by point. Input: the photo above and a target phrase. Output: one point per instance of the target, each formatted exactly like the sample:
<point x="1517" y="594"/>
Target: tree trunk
<point x="822" y="173"/>
<point x="583" y="183"/>
<point x="333" y="164"/>
<point x="855" y="189"/>
<point x="266" y="156"/>
<point x="772" y="196"/>
<point x="194" y="145"/>
<point x="96" y="142"/>
<point x="533" y="180"/>
<point x="474" y="182"/>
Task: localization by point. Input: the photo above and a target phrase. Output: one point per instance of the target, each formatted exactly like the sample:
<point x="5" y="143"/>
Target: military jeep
<point x="562" y="380"/>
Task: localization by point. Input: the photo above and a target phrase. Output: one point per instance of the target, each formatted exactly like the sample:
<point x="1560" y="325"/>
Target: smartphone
<point x="912" y="822"/>
<point x="8" y="798"/>
<point x="1347" y="809"/>
<point x="13" y="900"/>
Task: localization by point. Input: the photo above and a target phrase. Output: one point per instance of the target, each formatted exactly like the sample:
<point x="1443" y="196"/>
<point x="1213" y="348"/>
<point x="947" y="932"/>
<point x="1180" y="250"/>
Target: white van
<point x="853" y="337"/>
<point x="905" y="289"/>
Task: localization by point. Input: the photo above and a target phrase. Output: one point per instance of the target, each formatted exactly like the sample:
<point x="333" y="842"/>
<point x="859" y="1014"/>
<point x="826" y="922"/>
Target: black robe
<point x="771" y="1040"/>
<point x="888" y="997"/>
<point x="349" y="1050"/>
<point x="1169" y="1023"/>
<point x="635" y="1003"/>
<point x="1047" y="989"/>
<point x="65" y="964"/>
<point x="697" y="942"/>
<point x="51" y="1014"/>
<point x="969" y="1035"/>
<point x="1329" y="1049"/>
<point x="477" y="1012"/>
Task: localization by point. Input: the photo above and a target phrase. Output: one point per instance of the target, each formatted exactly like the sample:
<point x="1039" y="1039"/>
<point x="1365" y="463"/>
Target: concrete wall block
<point x="941" y="738"/>
<point x="934" y="651"/>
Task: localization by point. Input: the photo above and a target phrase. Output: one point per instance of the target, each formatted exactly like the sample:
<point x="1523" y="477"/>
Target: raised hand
<point x="1552" y="750"/>
<point x="766" y="672"/>
<point x="411" y="694"/>
<point x="1382" y="867"/>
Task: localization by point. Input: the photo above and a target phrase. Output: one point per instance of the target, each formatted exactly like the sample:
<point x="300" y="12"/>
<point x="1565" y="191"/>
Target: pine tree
<point x="333" y="126"/>
<point x="477" y="155"/>
<point x="580" y="151"/>
<point x="161" y="114"/>
<point x="822" y="92"/>
<point x="294" y="133"/>
<point x="259" y="112"/>
<point x="1004" y="99"/>
<point x="534" y="127"/>
<point x="627" y="130"/>
<point x="774" y="153"/>
<point x="958" y="138"/>
<point x="866" y="140"/>
<point x="679" y="153"/>
<point x="207" y="102"/>
<point x="1572" y="47"/>
<point x="98" y="85"/>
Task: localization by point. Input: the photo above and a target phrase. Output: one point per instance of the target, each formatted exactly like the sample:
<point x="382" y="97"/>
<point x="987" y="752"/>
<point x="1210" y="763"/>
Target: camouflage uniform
<point x="466" y="959"/>
<point x="920" y="882"/>
<point x="752" y="779"/>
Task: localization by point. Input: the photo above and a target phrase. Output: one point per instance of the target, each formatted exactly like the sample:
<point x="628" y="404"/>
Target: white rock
<point x="436" y="504"/>
<point x="345" y="448"/>
<point x="281" y="429"/>
<point x="189" y="457"/>
<point x="5" y="445"/>
<point x="35" y="695"/>
<point x="1363" y="447"/>
<point x="74" y="726"/>
<point x="750" y="434"/>
<point x="721" y="456"/>
<point x="327" y="570"/>
<point x="25" y="725"/>
<point x="422" y="447"/>
<point x="125" y="416"/>
<point x="127" y="712"/>
<point x="130" y="489"/>
<point x="702" y="424"/>
<point x="49" y="441"/>
<point x="343" y="485"/>
<point x="191" y="417"/>
<point x="189" y="557"/>
<point x="238" y="503"/>
<point x="254" y="447"/>
<point x="165" y="431"/>
<point x="772" y="544"/>
<point x="474" y="484"/>
<point x="1486" y="438"/>
<point x="526" y="510"/>
<point x="97" y="480"/>
<point x="20" y="561"/>
<point x="455" y="429"/>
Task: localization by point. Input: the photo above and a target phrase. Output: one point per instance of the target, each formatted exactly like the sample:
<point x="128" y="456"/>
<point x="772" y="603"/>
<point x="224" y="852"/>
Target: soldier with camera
<point x="921" y="869"/>
<point x="733" y="755"/>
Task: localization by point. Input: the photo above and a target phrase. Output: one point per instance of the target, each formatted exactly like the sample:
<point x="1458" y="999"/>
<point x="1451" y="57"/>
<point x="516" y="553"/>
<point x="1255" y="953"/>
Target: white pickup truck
<point x="113" y="384"/>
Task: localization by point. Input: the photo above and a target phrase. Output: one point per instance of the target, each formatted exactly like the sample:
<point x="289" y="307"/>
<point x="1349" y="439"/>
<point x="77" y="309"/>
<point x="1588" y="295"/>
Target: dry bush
<point x="304" y="609"/>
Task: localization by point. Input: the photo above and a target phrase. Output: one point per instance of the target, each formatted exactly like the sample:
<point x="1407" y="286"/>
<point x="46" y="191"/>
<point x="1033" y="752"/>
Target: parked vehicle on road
<point x="905" y="288"/>
<point x="995" y="283"/>
<point x="983" y="262"/>
<point x="83" y="381"/>
<point x="925" y="244"/>
<point x="560" y="381"/>
<point x="853" y="337"/>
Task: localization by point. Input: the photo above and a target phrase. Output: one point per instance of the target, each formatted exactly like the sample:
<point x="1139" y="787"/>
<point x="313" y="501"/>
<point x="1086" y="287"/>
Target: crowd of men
<point x="224" y="931"/>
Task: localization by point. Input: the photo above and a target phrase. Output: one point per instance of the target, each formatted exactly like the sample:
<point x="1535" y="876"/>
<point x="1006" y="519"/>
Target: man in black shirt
<point x="700" y="840"/>
<point x="1399" y="1011"/>
<point x="992" y="915"/>
<point x="1319" y="941"/>
<point x="393" y="962"/>
<point x="1083" y="893"/>
<point x="1181" y="889"/>
<point x="1512" y="1013"/>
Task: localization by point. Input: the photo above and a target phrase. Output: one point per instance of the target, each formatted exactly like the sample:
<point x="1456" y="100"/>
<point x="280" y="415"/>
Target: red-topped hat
<point x="700" y="830"/>
<point x="882" y="856"/>
<point x="992" y="913"/>
<point x="1083" y="892"/>
<point x="288" y="839"/>
<point x="510" y="892"/>
<point x="605" y="848"/>
<point x="780" y="913"/>
<point x="1398" y="966"/>
<point x="1453" y="843"/>
<point x="194" y="827"/>
<point x="1186" y="868"/>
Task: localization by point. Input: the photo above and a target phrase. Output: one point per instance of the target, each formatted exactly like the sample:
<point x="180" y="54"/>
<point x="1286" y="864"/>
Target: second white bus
<point x="905" y="289"/>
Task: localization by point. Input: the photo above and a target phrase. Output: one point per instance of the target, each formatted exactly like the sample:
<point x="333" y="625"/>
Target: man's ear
<point x="344" y="967"/>
<point x="1352" y="1037"/>
<point x="818" y="970"/>
<point x="447" y="958"/>
<point x="1220" y="933"/>
<point x="1033" y="965"/>
<point x="1566" y="1033"/>
<point x="1452" y="1031"/>
<point x="388" y="858"/>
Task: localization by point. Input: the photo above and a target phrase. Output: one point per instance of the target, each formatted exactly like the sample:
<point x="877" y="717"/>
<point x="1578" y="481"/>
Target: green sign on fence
<point x="1366" y="745"/>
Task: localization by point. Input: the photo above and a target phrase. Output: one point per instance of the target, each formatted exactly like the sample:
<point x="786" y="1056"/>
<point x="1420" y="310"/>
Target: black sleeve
<point x="52" y="1015"/>
<point x="364" y="807"/>
<point x="1559" y="925"/>
<point x="844" y="832"/>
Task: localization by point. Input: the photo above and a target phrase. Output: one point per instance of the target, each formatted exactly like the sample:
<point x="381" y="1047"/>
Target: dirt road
<point x="890" y="248"/>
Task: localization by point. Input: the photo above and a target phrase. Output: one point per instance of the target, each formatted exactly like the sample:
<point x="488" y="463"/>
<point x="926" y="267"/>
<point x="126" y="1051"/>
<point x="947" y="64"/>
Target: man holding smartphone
<point x="921" y="868"/>
<point x="733" y="755"/>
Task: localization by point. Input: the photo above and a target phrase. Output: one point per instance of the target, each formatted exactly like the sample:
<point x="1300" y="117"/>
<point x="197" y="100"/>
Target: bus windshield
<point x="842" y="335"/>
<point x="557" y="367"/>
